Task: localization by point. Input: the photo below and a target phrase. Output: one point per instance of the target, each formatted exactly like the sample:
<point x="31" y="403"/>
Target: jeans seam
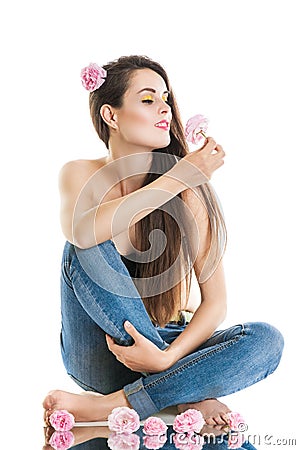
<point x="65" y="268"/>
<point x="193" y="361"/>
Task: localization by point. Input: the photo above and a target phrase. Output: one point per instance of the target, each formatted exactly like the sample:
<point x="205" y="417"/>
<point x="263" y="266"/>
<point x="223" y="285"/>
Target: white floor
<point x="269" y="407"/>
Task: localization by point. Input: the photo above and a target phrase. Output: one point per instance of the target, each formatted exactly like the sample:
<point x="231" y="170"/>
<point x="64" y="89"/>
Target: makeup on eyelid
<point x="150" y="97"/>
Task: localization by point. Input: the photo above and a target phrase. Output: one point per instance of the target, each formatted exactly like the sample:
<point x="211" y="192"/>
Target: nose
<point x="164" y="108"/>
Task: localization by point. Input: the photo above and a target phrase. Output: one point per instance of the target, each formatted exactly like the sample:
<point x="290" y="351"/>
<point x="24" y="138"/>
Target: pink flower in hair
<point x="194" y="128"/>
<point x="92" y="77"/>
<point x="61" y="440"/>
<point x="189" y="420"/>
<point x="155" y="442"/>
<point x="62" y="420"/>
<point x="154" y="426"/>
<point x="123" y="420"/>
<point x="121" y="441"/>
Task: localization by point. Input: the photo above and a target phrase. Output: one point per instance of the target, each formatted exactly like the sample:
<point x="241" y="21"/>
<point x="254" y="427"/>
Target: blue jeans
<point x="98" y="295"/>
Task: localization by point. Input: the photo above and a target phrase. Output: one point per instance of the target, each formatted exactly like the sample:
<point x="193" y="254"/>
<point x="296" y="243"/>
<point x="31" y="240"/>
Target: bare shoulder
<point x="194" y="202"/>
<point x="81" y="166"/>
<point x="78" y="172"/>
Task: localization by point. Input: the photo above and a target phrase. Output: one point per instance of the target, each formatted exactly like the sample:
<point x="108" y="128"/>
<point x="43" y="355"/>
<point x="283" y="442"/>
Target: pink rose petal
<point x="121" y="441"/>
<point x="62" y="420"/>
<point x="123" y="420"/>
<point x="236" y="421"/>
<point x="92" y="77"/>
<point x="61" y="440"/>
<point x="155" y="442"/>
<point x="189" y="420"/>
<point x="154" y="426"/>
<point x="193" y="127"/>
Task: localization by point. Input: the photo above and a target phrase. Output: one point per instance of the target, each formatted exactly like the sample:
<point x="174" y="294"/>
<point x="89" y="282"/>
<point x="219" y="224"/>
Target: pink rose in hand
<point x="236" y="421"/>
<point x="195" y="125"/>
<point x="154" y="426"/>
<point x="123" y="420"/>
<point x="62" y="420"/>
<point x="92" y="77"/>
<point x="61" y="440"/>
<point x="121" y="441"/>
<point x="189" y="420"/>
<point x="155" y="442"/>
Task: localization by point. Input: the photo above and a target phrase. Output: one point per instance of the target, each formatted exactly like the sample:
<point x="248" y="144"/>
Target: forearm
<point x="114" y="217"/>
<point x="205" y="321"/>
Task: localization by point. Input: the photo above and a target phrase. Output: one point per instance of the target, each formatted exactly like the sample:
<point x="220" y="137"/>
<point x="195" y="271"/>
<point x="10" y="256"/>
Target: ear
<point x="109" y="116"/>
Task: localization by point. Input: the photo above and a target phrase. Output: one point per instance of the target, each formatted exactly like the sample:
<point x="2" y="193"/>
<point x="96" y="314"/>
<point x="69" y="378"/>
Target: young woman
<point x="138" y="223"/>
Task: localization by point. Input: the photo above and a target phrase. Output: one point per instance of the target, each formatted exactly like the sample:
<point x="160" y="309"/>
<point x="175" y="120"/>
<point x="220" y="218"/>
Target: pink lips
<point x="163" y="124"/>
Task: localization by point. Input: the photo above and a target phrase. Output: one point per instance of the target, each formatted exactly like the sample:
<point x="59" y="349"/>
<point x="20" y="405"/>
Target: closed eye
<point x="148" y="100"/>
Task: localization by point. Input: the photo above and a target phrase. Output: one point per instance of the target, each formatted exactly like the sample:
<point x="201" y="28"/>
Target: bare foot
<point x="85" y="408"/>
<point x="213" y="411"/>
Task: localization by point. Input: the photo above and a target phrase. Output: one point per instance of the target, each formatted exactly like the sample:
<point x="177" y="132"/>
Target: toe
<point x="210" y="421"/>
<point x="49" y="400"/>
<point x="219" y="420"/>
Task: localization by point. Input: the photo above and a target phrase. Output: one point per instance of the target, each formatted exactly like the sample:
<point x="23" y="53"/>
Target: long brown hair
<point x="163" y="295"/>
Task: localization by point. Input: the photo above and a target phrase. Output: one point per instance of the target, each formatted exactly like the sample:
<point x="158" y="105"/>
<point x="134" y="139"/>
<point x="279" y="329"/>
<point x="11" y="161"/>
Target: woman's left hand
<point x="142" y="356"/>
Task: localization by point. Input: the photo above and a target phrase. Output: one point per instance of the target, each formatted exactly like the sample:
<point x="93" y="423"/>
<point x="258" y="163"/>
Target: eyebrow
<point x="151" y="90"/>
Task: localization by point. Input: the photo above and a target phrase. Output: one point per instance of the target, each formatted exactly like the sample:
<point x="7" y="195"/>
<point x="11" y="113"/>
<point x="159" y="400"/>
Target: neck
<point x="131" y="164"/>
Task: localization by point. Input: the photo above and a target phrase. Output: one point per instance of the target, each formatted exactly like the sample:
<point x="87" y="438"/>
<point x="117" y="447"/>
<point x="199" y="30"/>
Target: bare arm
<point x="86" y="225"/>
<point x="212" y="309"/>
<point x="206" y="319"/>
<point x="145" y="356"/>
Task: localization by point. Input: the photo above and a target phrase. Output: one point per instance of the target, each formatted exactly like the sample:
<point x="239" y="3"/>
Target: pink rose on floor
<point x="235" y="439"/>
<point x="155" y="442"/>
<point x="236" y="421"/>
<point x="193" y="127"/>
<point x="92" y="77"/>
<point x="123" y="420"/>
<point x="61" y="440"/>
<point x="154" y="426"/>
<point x="121" y="441"/>
<point x="189" y="441"/>
<point x="62" y="420"/>
<point x="189" y="420"/>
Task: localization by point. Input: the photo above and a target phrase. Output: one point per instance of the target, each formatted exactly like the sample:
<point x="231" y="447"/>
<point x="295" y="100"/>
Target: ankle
<point x="119" y="398"/>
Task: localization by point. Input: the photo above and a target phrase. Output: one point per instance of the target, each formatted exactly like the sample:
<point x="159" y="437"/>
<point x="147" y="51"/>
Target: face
<point x="145" y="117"/>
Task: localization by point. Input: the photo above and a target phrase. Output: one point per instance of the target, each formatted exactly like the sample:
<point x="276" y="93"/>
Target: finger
<point x="132" y="331"/>
<point x="220" y="151"/>
<point x="209" y="146"/>
<point x="110" y="343"/>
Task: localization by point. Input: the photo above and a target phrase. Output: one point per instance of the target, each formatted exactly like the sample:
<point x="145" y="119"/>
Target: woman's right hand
<point x="194" y="167"/>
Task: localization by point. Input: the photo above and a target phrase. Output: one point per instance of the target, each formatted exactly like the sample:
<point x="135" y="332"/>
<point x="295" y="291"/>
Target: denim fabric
<point x="98" y="295"/>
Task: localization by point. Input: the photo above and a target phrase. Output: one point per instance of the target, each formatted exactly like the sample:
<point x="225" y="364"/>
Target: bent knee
<point x="268" y="337"/>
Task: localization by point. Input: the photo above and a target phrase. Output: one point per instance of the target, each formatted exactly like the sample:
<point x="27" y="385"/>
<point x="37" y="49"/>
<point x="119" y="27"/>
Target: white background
<point x="237" y="62"/>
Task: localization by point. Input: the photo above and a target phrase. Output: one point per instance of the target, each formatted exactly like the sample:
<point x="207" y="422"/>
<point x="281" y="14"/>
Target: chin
<point x="162" y="143"/>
